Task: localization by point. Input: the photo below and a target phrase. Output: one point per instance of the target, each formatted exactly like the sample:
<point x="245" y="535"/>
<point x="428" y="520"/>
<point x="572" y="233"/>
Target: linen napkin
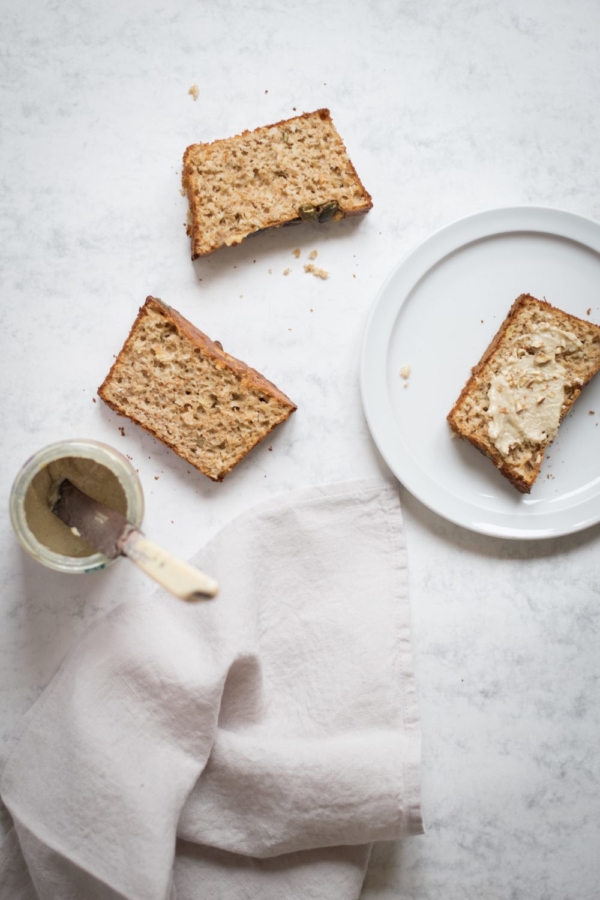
<point x="252" y="746"/>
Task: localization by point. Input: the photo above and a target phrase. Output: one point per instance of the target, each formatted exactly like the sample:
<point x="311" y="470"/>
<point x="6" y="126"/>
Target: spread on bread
<point x="525" y="383"/>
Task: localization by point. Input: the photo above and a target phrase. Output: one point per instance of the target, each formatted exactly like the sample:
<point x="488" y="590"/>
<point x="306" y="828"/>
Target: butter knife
<point x="113" y="535"/>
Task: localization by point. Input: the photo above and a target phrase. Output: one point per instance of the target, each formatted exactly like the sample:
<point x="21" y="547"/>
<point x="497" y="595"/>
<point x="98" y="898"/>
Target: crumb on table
<point x="194" y="91"/>
<point x="405" y="372"/>
<point x="314" y="270"/>
<point x="313" y="254"/>
<point x="296" y="252"/>
<point x="286" y="271"/>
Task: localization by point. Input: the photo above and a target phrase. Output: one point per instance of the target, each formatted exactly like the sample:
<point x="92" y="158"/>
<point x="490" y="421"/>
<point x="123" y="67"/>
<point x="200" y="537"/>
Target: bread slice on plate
<point x="280" y="174"/>
<point x="182" y="387"/>
<point x="524" y="385"/>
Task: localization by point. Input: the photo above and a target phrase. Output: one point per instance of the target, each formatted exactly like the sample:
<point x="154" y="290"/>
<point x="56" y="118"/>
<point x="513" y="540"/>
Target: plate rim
<point x="531" y="218"/>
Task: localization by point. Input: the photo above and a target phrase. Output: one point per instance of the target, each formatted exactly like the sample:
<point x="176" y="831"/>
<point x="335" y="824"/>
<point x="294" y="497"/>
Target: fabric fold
<point x="267" y="736"/>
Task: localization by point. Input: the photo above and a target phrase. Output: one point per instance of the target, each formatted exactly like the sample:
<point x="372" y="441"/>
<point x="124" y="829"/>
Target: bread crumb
<point x="314" y="270"/>
<point x="405" y="372"/>
<point x="313" y="254"/>
<point x="286" y="271"/>
<point x="122" y="430"/>
<point x="592" y="412"/>
<point x="93" y="399"/>
<point x="297" y="252"/>
<point x="194" y="91"/>
<point x="156" y="477"/>
<point x="270" y="448"/>
<point x="588" y="311"/>
<point x="182" y="191"/>
<point x="405" y="385"/>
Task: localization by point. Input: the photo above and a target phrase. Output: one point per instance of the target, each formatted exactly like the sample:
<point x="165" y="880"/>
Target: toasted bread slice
<point x="524" y="385"/>
<point x="280" y="174"/>
<point x="209" y="407"/>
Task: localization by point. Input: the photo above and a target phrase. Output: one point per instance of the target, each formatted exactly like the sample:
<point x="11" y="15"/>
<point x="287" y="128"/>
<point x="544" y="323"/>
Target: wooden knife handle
<point x="176" y="576"/>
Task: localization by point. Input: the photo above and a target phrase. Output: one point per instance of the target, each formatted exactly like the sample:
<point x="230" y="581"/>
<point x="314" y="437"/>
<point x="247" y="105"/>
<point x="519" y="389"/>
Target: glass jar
<point x="99" y="453"/>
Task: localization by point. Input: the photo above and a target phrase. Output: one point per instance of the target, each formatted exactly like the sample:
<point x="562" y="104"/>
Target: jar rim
<point x="97" y="451"/>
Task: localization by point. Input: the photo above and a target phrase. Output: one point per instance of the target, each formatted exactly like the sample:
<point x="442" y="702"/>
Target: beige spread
<point x="526" y="398"/>
<point x="90" y="477"/>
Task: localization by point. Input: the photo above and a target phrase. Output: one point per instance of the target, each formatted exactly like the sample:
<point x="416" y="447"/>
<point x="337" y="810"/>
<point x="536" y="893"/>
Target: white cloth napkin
<point x="248" y="747"/>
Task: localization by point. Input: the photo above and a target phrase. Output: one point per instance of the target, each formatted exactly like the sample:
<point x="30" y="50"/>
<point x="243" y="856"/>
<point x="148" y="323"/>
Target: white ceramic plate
<point x="436" y="313"/>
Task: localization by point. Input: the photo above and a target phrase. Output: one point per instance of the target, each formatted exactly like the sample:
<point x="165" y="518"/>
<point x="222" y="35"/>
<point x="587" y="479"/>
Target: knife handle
<point x="176" y="576"/>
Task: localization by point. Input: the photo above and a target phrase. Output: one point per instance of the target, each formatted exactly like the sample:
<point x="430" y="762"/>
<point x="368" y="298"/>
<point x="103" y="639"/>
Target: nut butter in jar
<point x="93" y="467"/>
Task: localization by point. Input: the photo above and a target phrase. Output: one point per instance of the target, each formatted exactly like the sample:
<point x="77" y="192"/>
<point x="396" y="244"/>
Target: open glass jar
<point x="24" y="522"/>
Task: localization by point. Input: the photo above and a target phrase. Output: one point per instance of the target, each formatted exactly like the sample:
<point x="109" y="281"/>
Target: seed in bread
<point x="182" y="387"/>
<point x="280" y="174"/>
<point x="524" y="385"/>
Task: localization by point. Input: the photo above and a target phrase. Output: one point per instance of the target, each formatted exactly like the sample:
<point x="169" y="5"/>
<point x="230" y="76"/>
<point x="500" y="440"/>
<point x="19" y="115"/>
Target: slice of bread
<point x="280" y="174"/>
<point x="524" y="385"/>
<point x="209" y="407"/>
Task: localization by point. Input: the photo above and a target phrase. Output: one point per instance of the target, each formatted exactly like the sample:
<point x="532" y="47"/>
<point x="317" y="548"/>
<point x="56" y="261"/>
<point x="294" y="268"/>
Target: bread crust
<point x="194" y="228"/>
<point x="503" y="466"/>
<point x="243" y="372"/>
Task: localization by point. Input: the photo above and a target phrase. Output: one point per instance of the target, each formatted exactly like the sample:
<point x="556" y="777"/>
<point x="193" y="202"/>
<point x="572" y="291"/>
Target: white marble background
<point x="447" y="107"/>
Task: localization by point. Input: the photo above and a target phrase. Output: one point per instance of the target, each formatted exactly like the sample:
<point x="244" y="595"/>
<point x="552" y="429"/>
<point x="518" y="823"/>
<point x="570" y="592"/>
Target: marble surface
<point x="446" y="108"/>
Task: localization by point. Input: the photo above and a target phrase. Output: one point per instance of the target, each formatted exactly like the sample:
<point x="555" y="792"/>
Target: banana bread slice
<point x="524" y="385"/>
<point x="297" y="169"/>
<point x="209" y="407"/>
